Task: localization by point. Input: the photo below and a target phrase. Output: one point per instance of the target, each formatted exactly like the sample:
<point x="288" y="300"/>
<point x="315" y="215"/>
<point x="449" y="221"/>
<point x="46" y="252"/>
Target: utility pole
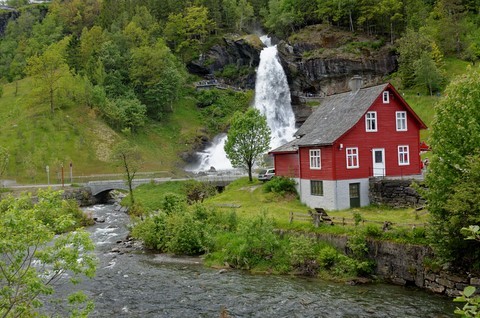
<point x="71" y="172"/>
<point x="47" y="168"/>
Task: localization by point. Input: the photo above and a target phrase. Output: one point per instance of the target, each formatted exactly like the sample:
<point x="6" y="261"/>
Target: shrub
<point x="197" y="191"/>
<point x="173" y="203"/>
<point x="302" y="255"/>
<point x="372" y="230"/>
<point x="327" y="257"/>
<point x="186" y="234"/>
<point x="152" y="231"/>
<point x="357" y="217"/>
<point x="280" y="185"/>
<point x="255" y="242"/>
<point x="357" y="244"/>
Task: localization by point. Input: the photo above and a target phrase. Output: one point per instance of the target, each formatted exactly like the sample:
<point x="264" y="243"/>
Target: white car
<point x="266" y="174"/>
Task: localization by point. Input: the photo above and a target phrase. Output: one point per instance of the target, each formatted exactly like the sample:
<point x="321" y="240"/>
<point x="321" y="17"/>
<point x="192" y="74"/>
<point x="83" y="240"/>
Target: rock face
<point x="235" y="51"/>
<point x="407" y="265"/>
<point x="321" y="60"/>
<point x="5" y="16"/>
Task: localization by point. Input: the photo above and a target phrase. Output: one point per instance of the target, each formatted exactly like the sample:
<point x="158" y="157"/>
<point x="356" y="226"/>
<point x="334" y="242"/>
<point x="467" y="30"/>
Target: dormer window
<point x="386" y="97"/>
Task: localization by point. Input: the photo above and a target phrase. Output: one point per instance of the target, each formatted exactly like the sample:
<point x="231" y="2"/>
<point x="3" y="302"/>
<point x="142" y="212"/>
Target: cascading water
<point x="272" y="98"/>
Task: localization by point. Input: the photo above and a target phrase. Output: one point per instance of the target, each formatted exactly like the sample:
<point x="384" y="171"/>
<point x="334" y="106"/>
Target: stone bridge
<point x="98" y="187"/>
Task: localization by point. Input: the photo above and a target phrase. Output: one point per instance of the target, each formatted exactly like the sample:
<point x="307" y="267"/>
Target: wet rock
<point x="99" y="220"/>
<point x="222" y="271"/>
<point x="115" y="250"/>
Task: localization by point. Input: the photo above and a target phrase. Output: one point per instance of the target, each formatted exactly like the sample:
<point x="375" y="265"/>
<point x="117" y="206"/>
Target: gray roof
<point x="336" y="115"/>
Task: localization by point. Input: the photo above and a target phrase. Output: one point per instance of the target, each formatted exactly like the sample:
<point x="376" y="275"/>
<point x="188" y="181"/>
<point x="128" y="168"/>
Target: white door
<point x="378" y="162"/>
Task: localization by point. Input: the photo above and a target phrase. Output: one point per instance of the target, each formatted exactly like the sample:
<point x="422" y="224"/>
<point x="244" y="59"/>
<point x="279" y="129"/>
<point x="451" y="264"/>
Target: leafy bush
<point x="327" y="257"/>
<point x="302" y="255"/>
<point x="254" y="242"/>
<point x="280" y="185"/>
<point x="173" y="203"/>
<point x="357" y="245"/>
<point x="197" y="191"/>
<point x="152" y="230"/>
<point x="372" y="230"/>
<point x="186" y="234"/>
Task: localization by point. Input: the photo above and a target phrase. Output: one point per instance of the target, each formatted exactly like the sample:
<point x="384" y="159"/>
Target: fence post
<point x="291" y="217"/>
<point x="316" y="219"/>
<point x="343" y="221"/>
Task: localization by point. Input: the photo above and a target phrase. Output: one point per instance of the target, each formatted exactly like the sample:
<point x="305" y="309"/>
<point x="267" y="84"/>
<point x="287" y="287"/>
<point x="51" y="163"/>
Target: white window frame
<point x="315" y="159"/>
<point x="401" y="120"/>
<point x="403" y="155"/>
<point x="352" y="157"/>
<point x="371" y="117"/>
<point x="386" y="97"/>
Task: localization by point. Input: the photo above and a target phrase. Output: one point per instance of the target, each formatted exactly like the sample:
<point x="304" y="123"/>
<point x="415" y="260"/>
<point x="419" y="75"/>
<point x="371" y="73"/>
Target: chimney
<point x="355" y="83"/>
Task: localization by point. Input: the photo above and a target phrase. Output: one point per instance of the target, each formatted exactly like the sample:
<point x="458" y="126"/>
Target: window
<point x="316" y="187"/>
<point x="352" y="158"/>
<point x="401" y="121"/>
<point x="371" y="121"/>
<point x="386" y="97"/>
<point x="403" y="157"/>
<point x="315" y="160"/>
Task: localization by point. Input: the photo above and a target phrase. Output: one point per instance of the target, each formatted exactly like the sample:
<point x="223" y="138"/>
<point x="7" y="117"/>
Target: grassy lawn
<point x="249" y="199"/>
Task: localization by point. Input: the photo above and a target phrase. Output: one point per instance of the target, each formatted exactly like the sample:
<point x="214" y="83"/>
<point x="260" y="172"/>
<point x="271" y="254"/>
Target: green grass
<point x="248" y="199"/>
<point x="35" y="138"/>
<point x="150" y="196"/>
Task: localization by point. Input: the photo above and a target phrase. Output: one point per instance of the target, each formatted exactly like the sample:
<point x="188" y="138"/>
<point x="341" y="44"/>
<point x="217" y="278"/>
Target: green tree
<point x="427" y="74"/>
<point x="411" y="46"/>
<point x="50" y="72"/>
<point x="125" y="113"/>
<point x="129" y="158"/>
<point x="34" y="259"/>
<point x="453" y="176"/>
<point x="187" y="32"/>
<point x="157" y="77"/>
<point x="247" y="139"/>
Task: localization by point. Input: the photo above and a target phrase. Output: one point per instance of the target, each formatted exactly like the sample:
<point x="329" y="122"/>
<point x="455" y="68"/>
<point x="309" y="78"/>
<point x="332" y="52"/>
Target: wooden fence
<point x="318" y="218"/>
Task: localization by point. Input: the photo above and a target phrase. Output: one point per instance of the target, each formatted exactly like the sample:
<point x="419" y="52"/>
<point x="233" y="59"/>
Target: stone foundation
<point x="394" y="193"/>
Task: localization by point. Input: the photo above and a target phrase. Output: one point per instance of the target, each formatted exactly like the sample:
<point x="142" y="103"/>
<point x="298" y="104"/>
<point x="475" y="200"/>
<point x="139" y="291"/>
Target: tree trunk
<point x="351" y="20"/>
<point x="250" y="172"/>
<point x="51" y="100"/>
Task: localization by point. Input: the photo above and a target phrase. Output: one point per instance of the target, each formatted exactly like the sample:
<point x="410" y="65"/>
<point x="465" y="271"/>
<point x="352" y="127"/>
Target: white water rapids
<point x="272" y="98"/>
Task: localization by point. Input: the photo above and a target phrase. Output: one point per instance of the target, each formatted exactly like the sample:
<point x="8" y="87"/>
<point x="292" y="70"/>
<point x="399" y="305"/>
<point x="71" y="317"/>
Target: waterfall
<point x="272" y="98"/>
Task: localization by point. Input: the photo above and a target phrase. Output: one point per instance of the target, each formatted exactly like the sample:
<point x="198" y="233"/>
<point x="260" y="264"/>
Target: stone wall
<point x="394" y="193"/>
<point x="406" y="265"/>
<point x="83" y="196"/>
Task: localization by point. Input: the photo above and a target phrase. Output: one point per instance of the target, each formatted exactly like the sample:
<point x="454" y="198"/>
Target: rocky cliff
<point x="5" y="16"/>
<point x="318" y="61"/>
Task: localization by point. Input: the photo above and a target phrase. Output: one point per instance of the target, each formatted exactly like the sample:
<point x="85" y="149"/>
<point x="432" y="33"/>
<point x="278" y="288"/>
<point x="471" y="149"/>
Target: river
<point x="132" y="283"/>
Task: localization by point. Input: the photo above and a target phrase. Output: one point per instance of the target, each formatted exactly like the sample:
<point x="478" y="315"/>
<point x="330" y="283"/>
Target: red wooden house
<point x="349" y="138"/>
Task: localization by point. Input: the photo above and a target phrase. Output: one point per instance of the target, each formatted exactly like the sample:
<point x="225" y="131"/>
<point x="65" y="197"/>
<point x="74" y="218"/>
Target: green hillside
<point x="36" y="138"/>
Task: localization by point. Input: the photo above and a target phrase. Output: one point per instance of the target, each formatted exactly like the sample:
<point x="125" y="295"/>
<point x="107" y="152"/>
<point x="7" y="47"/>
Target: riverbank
<point x="142" y="284"/>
